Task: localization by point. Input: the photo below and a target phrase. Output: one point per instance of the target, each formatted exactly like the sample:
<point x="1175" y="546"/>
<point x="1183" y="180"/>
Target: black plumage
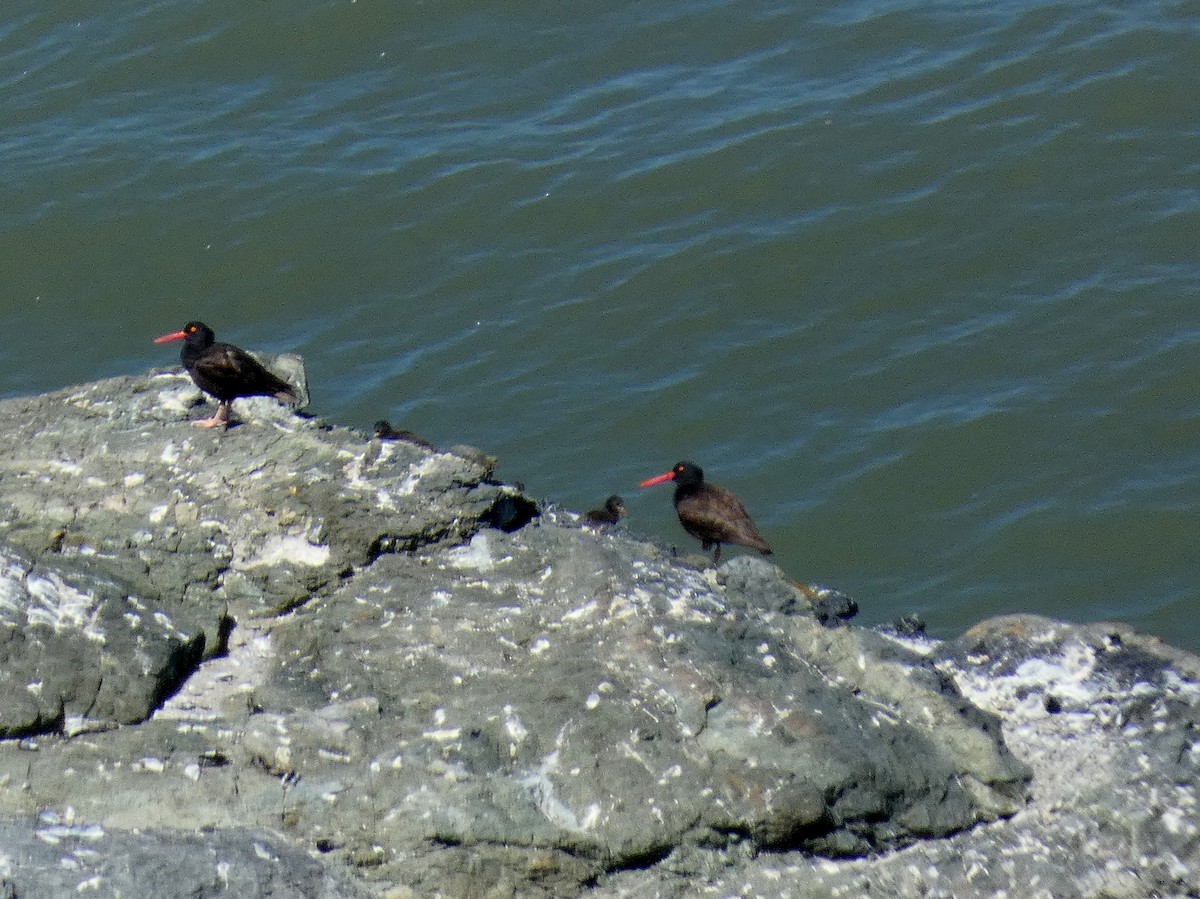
<point x="709" y="512"/>
<point x="610" y="513"/>
<point x="384" y="431"/>
<point x="225" y="372"/>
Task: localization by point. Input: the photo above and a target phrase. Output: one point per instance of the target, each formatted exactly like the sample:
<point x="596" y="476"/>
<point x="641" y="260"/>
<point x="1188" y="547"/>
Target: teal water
<point x="919" y="281"/>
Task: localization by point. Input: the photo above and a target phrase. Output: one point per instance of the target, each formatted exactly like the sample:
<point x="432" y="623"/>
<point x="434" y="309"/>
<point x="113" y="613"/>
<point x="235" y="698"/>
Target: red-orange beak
<point x="174" y="335"/>
<point x="660" y="479"/>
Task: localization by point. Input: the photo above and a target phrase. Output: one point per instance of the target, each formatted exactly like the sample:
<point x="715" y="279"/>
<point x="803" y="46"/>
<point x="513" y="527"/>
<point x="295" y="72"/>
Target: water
<point x="918" y="281"/>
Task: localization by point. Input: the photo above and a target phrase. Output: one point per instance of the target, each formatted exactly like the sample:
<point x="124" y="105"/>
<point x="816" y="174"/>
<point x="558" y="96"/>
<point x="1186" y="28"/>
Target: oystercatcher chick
<point x="383" y="430"/>
<point x="610" y="513"/>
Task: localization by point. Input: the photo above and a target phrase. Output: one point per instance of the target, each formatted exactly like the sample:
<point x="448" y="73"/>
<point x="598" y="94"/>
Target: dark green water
<point x="919" y="281"/>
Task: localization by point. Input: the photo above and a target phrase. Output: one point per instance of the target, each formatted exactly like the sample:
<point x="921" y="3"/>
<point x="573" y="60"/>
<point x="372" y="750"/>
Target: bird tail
<point x="287" y="396"/>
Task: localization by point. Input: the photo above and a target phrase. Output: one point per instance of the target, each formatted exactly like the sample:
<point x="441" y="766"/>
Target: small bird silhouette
<point x="610" y="513"/>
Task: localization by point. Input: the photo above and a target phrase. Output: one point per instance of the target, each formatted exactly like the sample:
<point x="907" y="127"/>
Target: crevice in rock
<point x="225" y="628"/>
<point x="181" y="665"/>
<point x="39" y="726"/>
<point x="392" y="544"/>
<point x="640" y="860"/>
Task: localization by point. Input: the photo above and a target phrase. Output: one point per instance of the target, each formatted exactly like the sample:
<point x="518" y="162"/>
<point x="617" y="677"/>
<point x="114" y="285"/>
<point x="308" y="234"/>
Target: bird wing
<point x="714" y="514"/>
<point x="227" y="371"/>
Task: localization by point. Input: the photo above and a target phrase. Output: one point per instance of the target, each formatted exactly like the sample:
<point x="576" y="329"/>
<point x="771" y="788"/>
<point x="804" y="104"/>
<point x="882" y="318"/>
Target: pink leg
<point x="220" y="417"/>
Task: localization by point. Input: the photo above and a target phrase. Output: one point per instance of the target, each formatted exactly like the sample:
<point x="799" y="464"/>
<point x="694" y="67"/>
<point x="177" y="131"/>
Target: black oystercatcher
<point x="384" y="431"/>
<point x="225" y="371"/>
<point x="709" y="512"/>
<point x="609" y="513"/>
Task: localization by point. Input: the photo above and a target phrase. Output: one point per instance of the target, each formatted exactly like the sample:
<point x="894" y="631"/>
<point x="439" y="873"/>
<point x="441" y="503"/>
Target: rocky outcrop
<point x="1108" y="721"/>
<point x="316" y="663"/>
<point x="137" y="540"/>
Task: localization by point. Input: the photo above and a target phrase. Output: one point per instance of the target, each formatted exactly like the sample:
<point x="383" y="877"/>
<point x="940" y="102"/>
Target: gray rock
<point x="755" y="584"/>
<point x="340" y="665"/>
<point x="202" y="525"/>
<point x="59" y="856"/>
<point x="80" y="650"/>
<point x="566" y="695"/>
<point x="1116" y="770"/>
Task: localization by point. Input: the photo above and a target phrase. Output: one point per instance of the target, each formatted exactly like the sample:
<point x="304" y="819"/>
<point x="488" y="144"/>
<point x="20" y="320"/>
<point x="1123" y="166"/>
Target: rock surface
<point x="289" y="659"/>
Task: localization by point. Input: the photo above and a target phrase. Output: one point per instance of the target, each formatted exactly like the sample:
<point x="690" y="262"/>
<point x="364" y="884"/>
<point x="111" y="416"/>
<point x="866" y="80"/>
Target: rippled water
<point x="918" y="280"/>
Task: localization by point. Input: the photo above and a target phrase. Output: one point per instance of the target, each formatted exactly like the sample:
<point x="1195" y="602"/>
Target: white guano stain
<point x="64" y="467"/>
<point x="477" y="554"/>
<point x="288" y="548"/>
<point x="584" y="611"/>
<point x="542" y="791"/>
<point x="170" y="454"/>
<point x="409" y="485"/>
<point x="62" y="607"/>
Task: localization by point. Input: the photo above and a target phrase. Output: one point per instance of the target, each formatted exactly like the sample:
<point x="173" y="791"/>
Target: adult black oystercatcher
<point x="225" y="371"/>
<point x="709" y="512"/>
<point x="609" y="513"/>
